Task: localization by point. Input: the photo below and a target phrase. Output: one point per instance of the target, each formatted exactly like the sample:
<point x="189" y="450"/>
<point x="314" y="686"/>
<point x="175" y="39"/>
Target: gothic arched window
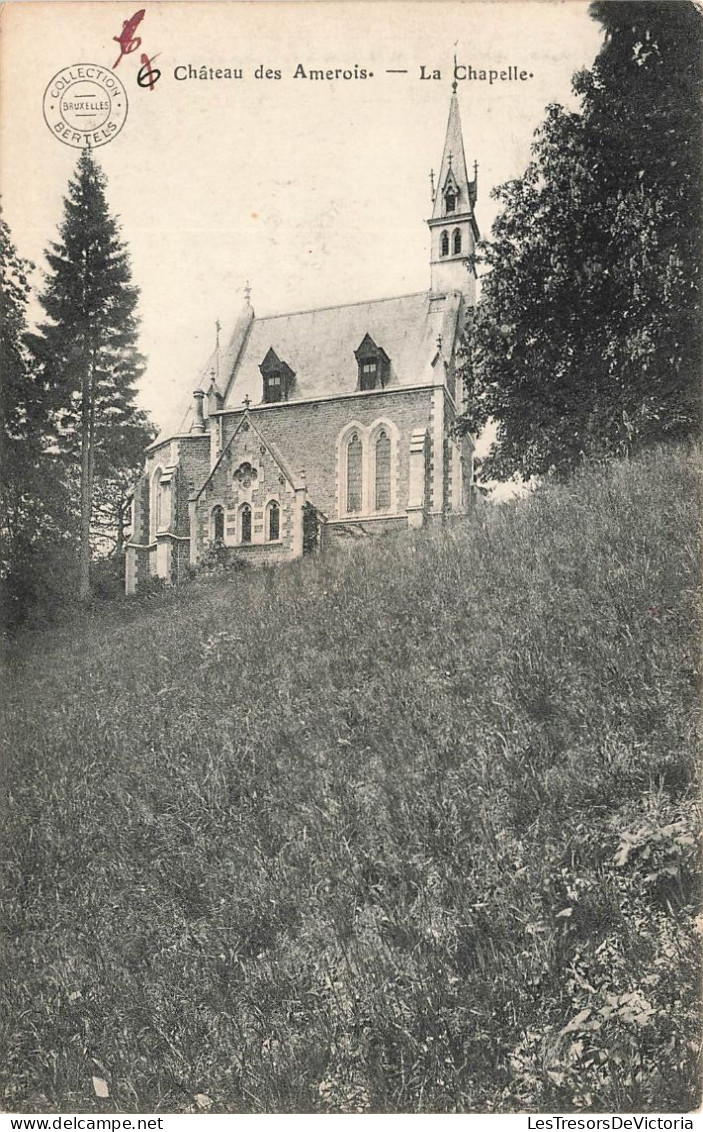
<point x="245" y="521"/>
<point x="456" y="241"/>
<point x="273" y="523"/>
<point x="444" y="244"/>
<point x="218" y="524"/>
<point x="354" y="458"/>
<point x="383" y="471"/>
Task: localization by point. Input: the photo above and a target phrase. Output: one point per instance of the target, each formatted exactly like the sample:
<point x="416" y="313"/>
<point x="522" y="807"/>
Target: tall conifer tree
<point x="87" y="350"/>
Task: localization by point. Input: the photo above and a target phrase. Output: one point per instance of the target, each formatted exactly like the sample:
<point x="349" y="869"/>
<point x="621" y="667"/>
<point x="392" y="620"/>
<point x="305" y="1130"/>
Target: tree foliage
<point x="34" y="517"/>
<point x="587" y="340"/>
<point x="87" y="354"/>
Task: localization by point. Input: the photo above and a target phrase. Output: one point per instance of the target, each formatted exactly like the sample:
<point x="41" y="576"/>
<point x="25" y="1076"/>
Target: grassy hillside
<point x="407" y="827"/>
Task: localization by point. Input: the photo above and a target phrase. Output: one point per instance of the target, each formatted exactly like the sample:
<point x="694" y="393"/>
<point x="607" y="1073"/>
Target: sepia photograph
<point x="350" y="559"/>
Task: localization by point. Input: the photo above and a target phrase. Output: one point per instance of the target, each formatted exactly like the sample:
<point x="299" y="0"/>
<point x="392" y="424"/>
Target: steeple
<point x="453" y="227"/>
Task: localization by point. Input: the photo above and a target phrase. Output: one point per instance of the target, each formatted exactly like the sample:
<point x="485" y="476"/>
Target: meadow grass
<point x="410" y="826"/>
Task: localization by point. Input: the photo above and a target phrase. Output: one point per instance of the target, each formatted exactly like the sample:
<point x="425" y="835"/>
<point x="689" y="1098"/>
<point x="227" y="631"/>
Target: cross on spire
<point x="247" y="292"/>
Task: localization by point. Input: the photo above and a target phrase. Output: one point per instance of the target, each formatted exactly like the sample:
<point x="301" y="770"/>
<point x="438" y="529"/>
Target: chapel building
<point x="333" y="420"/>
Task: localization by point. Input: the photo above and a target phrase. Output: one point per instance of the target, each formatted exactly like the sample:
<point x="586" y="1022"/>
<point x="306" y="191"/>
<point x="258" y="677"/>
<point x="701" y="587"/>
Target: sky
<point x="316" y="192"/>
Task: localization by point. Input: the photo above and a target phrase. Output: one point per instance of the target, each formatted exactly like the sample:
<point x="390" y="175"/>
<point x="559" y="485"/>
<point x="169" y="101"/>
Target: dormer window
<point x="278" y="378"/>
<point x="450" y="201"/>
<point x="374" y="365"/>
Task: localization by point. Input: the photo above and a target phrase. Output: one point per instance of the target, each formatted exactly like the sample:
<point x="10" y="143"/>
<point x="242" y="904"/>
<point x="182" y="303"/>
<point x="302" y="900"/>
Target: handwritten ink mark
<point x="127" y="40"/>
<point x="148" y="76"/>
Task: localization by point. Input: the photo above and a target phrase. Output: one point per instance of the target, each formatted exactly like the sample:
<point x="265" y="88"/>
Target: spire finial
<point x="247" y="402"/>
<point x="454" y="84"/>
<point x="218" y="328"/>
<point x="432" y="192"/>
<point x="247" y="293"/>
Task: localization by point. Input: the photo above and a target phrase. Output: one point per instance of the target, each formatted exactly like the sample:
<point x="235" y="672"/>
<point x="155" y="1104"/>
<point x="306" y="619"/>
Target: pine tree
<point x="587" y="340"/>
<point x="87" y="351"/>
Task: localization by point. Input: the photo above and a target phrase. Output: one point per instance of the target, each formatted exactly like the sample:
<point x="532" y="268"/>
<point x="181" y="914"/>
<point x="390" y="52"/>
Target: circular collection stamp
<point x="85" y="105"/>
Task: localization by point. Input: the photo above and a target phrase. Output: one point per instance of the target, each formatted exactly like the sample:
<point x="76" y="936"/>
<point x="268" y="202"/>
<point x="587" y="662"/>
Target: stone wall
<point x="194" y="468"/>
<point x="248" y="476"/>
<point x="306" y="435"/>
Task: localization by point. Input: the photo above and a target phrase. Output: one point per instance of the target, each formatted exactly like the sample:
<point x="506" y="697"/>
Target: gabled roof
<point x="320" y="346"/>
<point x="272" y="364"/>
<point x="369" y="349"/>
<point x="245" y="426"/>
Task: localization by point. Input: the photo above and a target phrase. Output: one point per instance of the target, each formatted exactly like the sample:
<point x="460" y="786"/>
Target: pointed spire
<point x="453" y="167"/>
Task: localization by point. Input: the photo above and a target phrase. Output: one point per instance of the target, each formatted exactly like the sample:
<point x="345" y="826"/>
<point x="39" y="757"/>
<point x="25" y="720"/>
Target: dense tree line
<point x="587" y="339"/>
<point x="73" y="438"/>
<point x="36" y="521"/>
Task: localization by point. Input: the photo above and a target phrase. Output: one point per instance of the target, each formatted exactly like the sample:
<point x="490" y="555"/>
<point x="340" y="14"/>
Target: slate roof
<point x="319" y="347"/>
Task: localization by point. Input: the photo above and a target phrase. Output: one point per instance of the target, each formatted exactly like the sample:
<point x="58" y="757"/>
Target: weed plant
<point x="409" y="826"/>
